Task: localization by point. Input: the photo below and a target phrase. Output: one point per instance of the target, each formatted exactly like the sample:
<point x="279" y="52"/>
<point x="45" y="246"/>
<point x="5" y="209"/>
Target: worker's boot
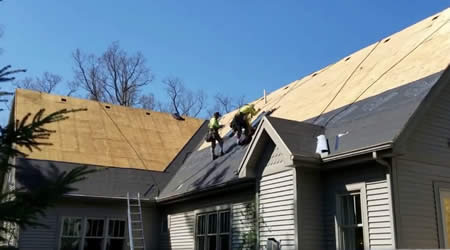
<point x="214" y="156"/>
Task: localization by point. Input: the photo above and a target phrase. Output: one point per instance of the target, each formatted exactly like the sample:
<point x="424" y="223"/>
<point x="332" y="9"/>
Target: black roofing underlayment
<point x="365" y="123"/>
<point x="376" y="119"/>
<point x="106" y="182"/>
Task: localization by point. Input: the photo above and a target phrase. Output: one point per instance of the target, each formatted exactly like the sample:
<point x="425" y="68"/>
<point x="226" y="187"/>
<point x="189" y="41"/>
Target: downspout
<point x="388" y="166"/>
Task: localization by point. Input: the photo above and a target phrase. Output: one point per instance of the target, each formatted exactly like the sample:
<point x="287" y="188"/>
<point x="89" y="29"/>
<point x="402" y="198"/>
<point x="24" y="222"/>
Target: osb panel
<point x="117" y="137"/>
<point x="411" y="54"/>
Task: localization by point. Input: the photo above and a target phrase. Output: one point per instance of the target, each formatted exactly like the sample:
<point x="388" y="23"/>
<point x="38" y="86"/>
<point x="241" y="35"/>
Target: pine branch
<point x="23" y="207"/>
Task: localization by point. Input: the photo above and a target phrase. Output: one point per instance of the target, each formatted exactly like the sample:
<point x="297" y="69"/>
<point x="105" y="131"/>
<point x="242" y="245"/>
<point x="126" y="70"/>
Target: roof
<point x="106" y="134"/>
<point x="105" y="182"/>
<point x="299" y="137"/>
<point x="363" y="100"/>
<point x="414" y="53"/>
<point x="199" y="171"/>
<point x="375" y="120"/>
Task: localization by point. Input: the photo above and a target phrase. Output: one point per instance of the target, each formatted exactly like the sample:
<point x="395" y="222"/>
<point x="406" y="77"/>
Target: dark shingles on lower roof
<point x="105" y="182"/>
<point x="199" y="171"/>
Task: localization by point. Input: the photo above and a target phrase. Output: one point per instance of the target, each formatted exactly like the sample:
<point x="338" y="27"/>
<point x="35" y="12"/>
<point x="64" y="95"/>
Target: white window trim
<point x="218" y="209"/>
<point x="84" y="237"/>
<point x="441" y="188"/>
<point x="352" y="188"/>
<point x="125" y="232"/>
<point x="84" y="226"/>
<point x="60" y="236"/>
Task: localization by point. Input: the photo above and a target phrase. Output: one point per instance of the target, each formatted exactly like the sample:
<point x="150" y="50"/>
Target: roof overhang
<point x="264" y="131"/>
<point x="227" y="186"/>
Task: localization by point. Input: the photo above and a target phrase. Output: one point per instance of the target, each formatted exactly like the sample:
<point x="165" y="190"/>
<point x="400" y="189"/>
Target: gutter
<point x="231" y="185"/>
<point x="360" y="151"/>
<point x="116" y="198"/>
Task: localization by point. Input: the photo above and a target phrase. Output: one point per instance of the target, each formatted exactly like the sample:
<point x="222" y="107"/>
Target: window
<point x="71" y="234"/>
<point x="116" y="235"/>
<point x="93" y="234"/>
<point x="442" y="197"/>
<point x="213" y="231"/>
<point x="351" y="219"/>
<point x="351" y="227"/>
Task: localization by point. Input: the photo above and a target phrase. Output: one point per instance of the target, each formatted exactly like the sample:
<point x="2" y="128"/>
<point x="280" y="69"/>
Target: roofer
<point x="242" y="120"/>
<point x="213" y="134"/>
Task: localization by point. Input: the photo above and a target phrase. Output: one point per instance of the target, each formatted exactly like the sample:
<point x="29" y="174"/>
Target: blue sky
<point x="235" y="47"/>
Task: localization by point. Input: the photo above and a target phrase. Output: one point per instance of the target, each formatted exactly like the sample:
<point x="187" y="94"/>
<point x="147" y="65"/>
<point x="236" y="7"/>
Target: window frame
<point x="125" y="231"/>
<point x="83" y="236"/>
<point x="441" y="188"/>
<point x="349" y="190"/>
<point x="62" y="230"/>
<point x="206" y="212"/>
<point x="165" y="221"/>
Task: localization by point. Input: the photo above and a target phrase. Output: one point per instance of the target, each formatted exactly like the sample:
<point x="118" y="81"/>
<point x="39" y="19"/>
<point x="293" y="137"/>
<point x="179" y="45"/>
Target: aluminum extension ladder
<point x="135" y="224"/>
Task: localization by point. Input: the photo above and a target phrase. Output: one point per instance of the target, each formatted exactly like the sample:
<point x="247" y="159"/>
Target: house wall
<point x="276" y="201"/>
<point x="276" y="198"/>
<point x="309" y="208"/>
<point x="380" y="232"/>
<point x="424" y="161"/>
<point x="181" y="218"/>
<point x="48" y="238"/>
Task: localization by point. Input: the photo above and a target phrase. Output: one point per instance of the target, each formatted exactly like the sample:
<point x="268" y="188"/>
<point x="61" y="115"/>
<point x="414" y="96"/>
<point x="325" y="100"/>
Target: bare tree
<point x="240" y="101"/>
<point x="226" y="104"/>
<point x="125" y="75"/>
<point x="115" y="76"/>
<point x="182" y="100"/>
<point x="47" y="83"/>
<point x="148" y="101"/>
<point x="89" y="75"/>
<point x="72" y="87"/>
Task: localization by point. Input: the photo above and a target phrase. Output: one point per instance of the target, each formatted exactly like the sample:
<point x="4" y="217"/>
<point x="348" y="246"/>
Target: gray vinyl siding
<point x="429" y="142"/>
<point x="40" y="237"/>
<point x="275" y="198"/>
<point x="243" y="225"/>
<point x="424" y="161"/>
<point x="416" y="204"/>
<point x="182" y="228"/>
<point x="48" y="238"/>
<point x="182" y="218"/>
<point x="181" y="231"/>
<point x="272" y="161"/>
<point x="379" y="214"/>
<point x="379" y="208"/>
<point x="310" y="209"/>
<point x="277" y="209"/>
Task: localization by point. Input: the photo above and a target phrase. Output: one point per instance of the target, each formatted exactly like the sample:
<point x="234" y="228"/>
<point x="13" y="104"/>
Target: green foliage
<point x="23" y="206"/>
<point x="250" y="237"/>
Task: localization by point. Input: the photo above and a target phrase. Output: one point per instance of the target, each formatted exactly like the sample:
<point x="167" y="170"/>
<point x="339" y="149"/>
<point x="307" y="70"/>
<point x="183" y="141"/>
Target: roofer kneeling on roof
<point x="213" y="134"/>
<point x="242" y="120"/>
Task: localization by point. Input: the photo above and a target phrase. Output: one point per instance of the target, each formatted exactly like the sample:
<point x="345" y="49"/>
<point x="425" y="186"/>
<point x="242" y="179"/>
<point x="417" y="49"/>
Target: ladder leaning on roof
<point x="135" y="224"/>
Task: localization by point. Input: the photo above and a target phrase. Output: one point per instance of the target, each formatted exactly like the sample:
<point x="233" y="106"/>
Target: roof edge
<point x="233" y="184"/>
<point x="422" y="108"/>
<point x="360" y="151"/>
